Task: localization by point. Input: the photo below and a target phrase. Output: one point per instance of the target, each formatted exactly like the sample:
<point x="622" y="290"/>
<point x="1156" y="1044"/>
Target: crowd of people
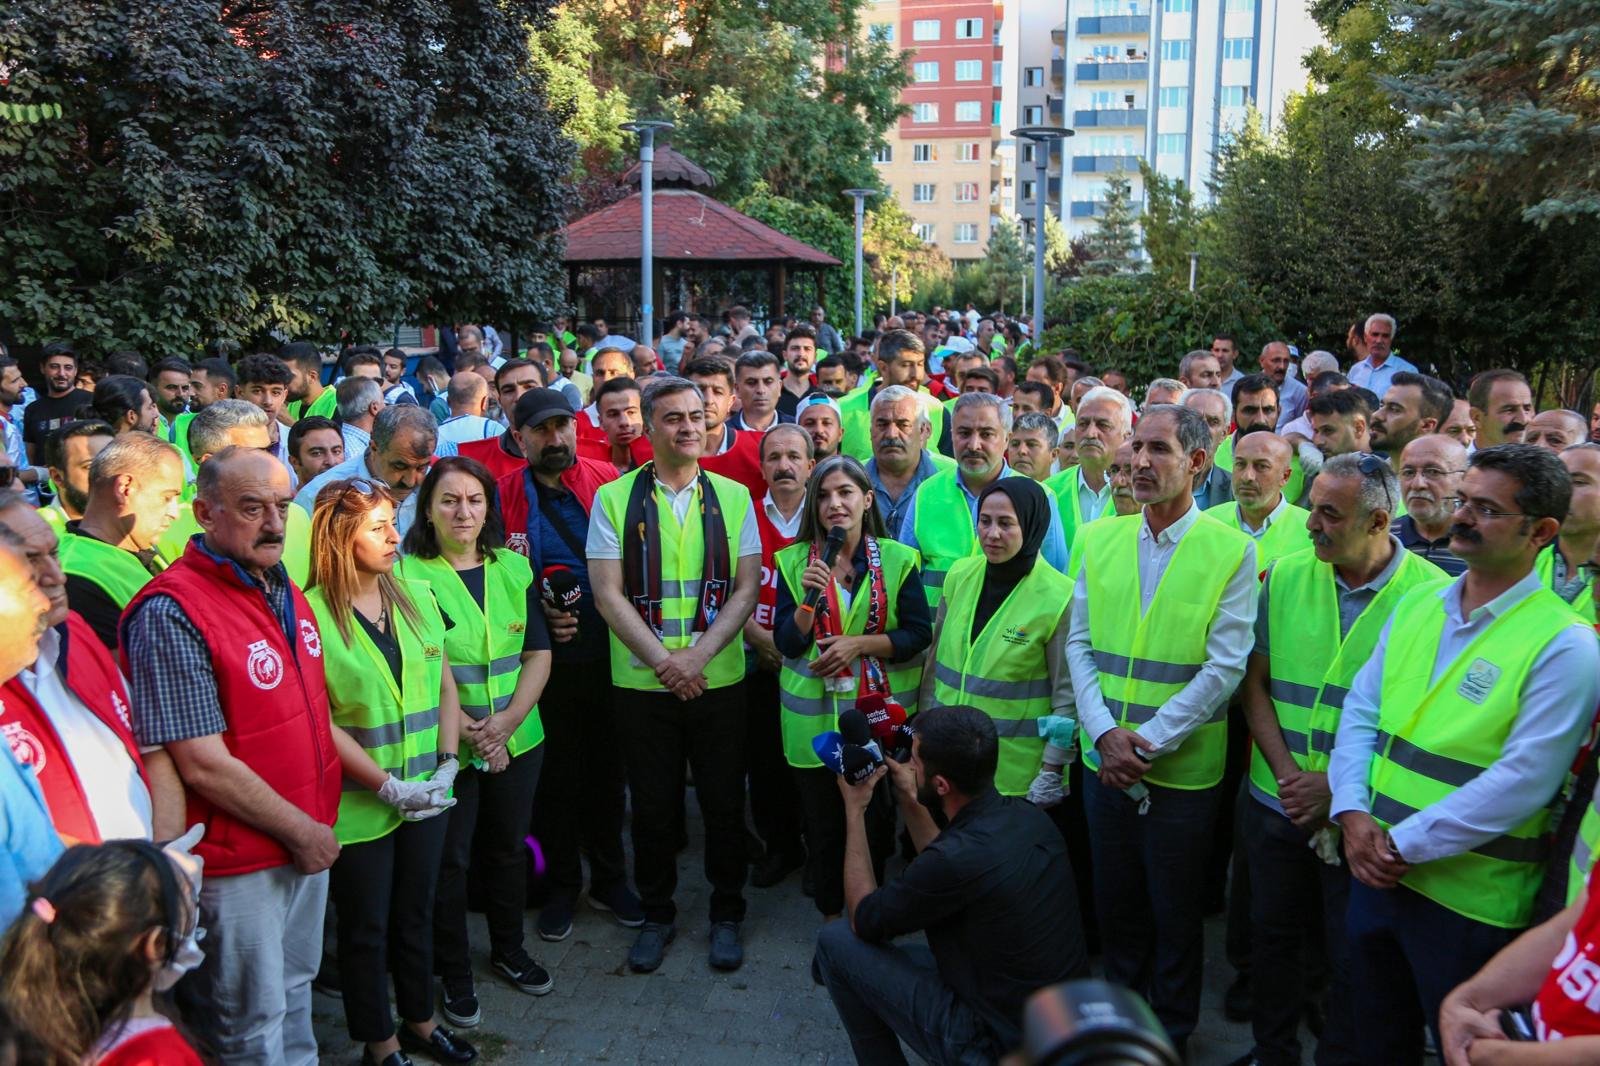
<point x="309" y="660"/>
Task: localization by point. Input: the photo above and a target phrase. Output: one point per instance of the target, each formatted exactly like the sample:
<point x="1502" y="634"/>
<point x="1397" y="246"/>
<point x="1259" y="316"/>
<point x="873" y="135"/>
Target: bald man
<point x="1556" y="430"/>
<point x="1432" y="468"/>
<point x="1262" y="463"/>
<point x="468" y="396"/>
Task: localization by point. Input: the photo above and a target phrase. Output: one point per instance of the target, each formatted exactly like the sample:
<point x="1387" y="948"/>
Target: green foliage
<point x="1004" y="264"/>
<point x="896" y="255"/>
<point x="1113" y="244"/>
<point x="560" y="50"/>
<point x="823" y="229"/>
<point x="316" y="170"/>
<point x="1169" y="222"/>
<point x="1058" y="258"/>
<point x="1143" y="324"/>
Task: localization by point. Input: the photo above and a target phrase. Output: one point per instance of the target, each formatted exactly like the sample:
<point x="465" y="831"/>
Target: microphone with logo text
<point x="561" y="589"/>
<point x="850" y="761"/>
<point x="890" y="729"/>
<point x="806" y="613"/>
<point x="855" y="729"/>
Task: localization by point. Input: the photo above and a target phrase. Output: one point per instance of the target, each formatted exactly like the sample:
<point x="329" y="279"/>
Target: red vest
<point x="583" y="479"/>
<point x="489" y="452"/>
<point x="86" y="667"/>
<point x="772" y="542"/>
<point x="274" y="699"/>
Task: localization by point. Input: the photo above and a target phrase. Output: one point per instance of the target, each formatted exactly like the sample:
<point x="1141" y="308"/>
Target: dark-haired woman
<point x="499" y="652"/>
<point x="866" y="639"/>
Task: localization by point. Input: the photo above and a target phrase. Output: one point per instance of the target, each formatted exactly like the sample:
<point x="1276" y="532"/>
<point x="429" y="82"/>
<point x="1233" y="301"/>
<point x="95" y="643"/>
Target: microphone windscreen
<point x="561" y="588"/>
<point x="882" y="718"/>
<point x="829" y="748"/>
<point x="858" y="764"/>
<point x="853" y="727"/>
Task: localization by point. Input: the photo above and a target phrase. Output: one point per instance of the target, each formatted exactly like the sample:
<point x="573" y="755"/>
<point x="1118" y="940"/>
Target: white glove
<point x="444" y="777"/>
<point x="180" y="851"/>
<point x="1048" y="789"/>
<point x="413" y="798"/>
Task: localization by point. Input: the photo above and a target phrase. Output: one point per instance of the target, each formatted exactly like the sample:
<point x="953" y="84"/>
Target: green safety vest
<point x="807" y="708"/>
<point x="397" y="725"/>
<point x="942" y="524"/>
<point x="1434" y="738"/>
<point x="296" y="540"/>
<point x="855" y="421"/>
<point x="1004" y="672"/>
<point x="1545" y="564"/>
<point x="179" y="437"/>
<point x="1286" y="535"/>
<point x="119" y="573"/>
<point x="1584" y="848"/>
<point x="484" y="644"/>
<point x="1292" y="491"/>
<point x="1064" y="484"/>
<point x="1312" y="672"/>
<point x="1145" y="660"/>
<point x="683" y="555"/>
<point x="55" y="518"/>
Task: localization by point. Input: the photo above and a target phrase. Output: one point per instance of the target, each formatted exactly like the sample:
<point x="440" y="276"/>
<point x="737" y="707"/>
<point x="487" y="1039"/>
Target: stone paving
<point x="768" y="1012"/>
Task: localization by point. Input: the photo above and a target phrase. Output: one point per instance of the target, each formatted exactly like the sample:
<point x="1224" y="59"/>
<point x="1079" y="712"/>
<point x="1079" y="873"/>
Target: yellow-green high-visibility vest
<point x="484" y="644"/>
<point x="1065" y="485"/>
<point x="296" y="540"/>
<point x="1292" y="491"/>
<point x="179" y="437"/>
<point x="682" y="563"/>
<point x="119" y="573"/>
<point x="1584" y="848"/>
<point x="1434" y="738"/>
<point x="806" y="707"/>
<point x="1004" y="672"/>
<point x="324" y="406"/>
<point x="942" y="524"/>
<point x="1286" y="535"/>
<point x="1545" y="565"/>
<point x="1146" y="659"/>
<point x="1313" y="668"/>
<point x="396" y="724"/>
<point x="55" y="518"/>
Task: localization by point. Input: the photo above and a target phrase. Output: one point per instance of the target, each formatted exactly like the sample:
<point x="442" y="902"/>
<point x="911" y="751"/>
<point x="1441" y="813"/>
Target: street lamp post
<point x="647" y="129"/>
<point x="1042" y="137"/>
<point x="860" y="197"/>
<point x="1194" y="263"/>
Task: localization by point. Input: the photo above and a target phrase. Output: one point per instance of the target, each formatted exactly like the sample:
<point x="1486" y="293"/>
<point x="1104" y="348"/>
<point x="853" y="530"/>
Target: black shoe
<point x="1237" y="1002"/>
<point x="441" y="1045"/>
<point x="650" y="947"/>
<point x="726" y="952"/>
<point x="394" y="1058"/>
<point x="523" y="972"/>
<point x="775" y="869"/>
<point x="555" y="920"/>
<point x="620" y="903"/>
<point x="461" y="1003"/>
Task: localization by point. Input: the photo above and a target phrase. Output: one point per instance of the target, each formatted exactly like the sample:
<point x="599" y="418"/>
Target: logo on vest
<point x="25" y="747"/>
<point x="121" y="709"/>
<point x="265" y="665"/>
<point x="1017" y="635"/>
<point x="311" y="638"/>
<point x="1481" y="676"/>
<point x="518" y="542"/>
<point x="430" y="651"/>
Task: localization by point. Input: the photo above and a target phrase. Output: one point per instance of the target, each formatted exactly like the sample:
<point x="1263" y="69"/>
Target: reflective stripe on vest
<point x="396" y="724"/>
<point x="682" y="562"/>
<point x="484" y="644"/>
<point x="1156" y="653"/>
<point x="1005" y="672"/>
<point x="119" y="574"/>
<point x="806" y="708"/>
<point x="1584" y="848"/>
<point x="1312" y="673"/>
<point x="1434" y="737"/>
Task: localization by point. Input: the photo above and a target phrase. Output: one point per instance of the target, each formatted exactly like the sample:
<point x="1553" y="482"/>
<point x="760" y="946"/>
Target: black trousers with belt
<point x="774" y="801"/>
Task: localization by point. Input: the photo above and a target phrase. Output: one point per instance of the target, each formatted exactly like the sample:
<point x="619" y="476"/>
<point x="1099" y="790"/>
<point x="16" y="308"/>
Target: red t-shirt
<point x="148" y="1042"/>
<point x="1568" y="1003"/>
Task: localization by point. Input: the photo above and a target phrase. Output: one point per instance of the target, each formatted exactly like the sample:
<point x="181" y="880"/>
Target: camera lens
<point x="1093" y="1023"/>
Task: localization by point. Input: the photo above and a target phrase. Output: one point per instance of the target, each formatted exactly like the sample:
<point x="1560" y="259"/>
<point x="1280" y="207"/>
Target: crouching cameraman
<point x="993" y="891"/>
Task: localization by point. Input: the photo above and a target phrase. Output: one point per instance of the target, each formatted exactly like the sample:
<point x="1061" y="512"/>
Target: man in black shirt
<point x="60" y="403"/>
<point x="993" y="891"/>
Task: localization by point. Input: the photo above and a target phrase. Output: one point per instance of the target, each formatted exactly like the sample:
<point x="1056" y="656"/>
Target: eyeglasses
<point x="1428" y="473"/>
<point x="356" y="484"/>
<point x="1373" y="464"/>
<point x="1483" y="512"/>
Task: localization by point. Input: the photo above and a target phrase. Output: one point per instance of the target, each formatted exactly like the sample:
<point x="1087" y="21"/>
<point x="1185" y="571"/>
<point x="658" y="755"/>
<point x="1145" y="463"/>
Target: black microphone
<point x="807" y="611"/>
<point x="561" y="589"/>
<point x="858" y="764"/>
<point x="855" y="729"/>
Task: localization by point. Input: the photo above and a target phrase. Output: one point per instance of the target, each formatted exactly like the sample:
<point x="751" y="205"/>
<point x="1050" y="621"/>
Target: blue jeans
<point x="885" y="994"/>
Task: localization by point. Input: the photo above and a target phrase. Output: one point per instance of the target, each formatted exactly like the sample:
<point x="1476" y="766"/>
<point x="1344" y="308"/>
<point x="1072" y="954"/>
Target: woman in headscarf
<point x="1000" y="638"/>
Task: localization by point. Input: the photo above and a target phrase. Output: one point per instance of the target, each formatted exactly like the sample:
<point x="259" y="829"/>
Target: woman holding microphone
<point x="499" y="652"/>
<point x="865" y="637"/>
<point x="396" y="721"/>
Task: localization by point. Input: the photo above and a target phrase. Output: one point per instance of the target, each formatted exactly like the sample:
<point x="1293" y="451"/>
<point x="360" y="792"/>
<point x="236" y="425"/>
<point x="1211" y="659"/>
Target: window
<point x="1177" y="7"/>
<point x="925" y="30"/>
<point x="1176" y="50"/>
<point x="1239" y="6"/>
<point x="1170" y="143"/>
<point x="1027" y="151"/>
<point x="884" y="153"/>
<point x="1238" y="48"/>
<point x="969" y="70"/>
<point x="966" y="233"/>
<point x="922" y="192"/>
<point x="1105" y="53"/>
<point x="1234" y="96"/>
<point x="999" y="73"/>
<point x="994" y="116"/>
<point x="924" y="153"/>
<point x="968" y="152"/>
<point x="969" y="111"/>
<point x="1108" y="7"/>
<point x="1027" y="190"/>
<point x="924" y="112"/>
<point x="1033" y="77"/>
<point x="969" y="29"/>
<point x="924" y="72"/>
<point x="1101" y="99"/>
<point x="881" y="31"/>
<point x="1177" y="97"/>
<point x="1033" y="115"/>
<point x="966" y="192"/>
<point x="924" y="232"/>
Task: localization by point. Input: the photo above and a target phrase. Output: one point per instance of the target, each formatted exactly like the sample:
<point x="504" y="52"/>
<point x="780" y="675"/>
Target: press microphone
<point x="882" y="716"/>
<point x="855" y="730"/>
<point x="807" y="611"/>
<point x="859" y="764"/>
<point x="829" y="749"/>
<point x="561" y="589"/>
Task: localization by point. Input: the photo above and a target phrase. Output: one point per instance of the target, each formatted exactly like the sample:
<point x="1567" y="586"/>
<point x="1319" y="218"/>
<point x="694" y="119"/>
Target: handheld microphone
<point x="561" y="589"/>
<point x="859" y="763"/>
<point x="883" y="716"/>
<point x="829" y="749"/>
<point x="806" y="613"/>
<point x="855" y="730"/>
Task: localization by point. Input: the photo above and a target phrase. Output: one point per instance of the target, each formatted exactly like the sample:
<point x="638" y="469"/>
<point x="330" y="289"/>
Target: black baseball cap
<point x="538" y="405"/>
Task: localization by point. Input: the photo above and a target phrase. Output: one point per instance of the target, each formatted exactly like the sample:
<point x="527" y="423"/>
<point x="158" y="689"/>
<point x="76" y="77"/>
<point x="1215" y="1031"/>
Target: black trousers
<point x="659" y="732"/>
<point x="489" y="820"/>
<point x="774" y="801"/>
<point x="383" y="894"/>
<point x="823" y="806"/>
<point x="581" y="800"/>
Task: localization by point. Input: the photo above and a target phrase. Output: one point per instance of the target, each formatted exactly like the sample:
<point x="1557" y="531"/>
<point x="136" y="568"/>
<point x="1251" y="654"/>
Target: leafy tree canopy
<point x="1113" y="243"/>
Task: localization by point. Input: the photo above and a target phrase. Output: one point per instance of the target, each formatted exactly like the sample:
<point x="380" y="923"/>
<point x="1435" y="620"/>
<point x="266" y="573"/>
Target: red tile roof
<point x="689" y="227"/>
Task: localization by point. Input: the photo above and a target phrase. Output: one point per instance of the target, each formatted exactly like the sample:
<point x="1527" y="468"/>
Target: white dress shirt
<point x="1558" y="703"/>
<point x="1272" y="516"/>
<point x="1228" y="645"/>
<point x="786" y="527"/>
<point x="604" y="543"/>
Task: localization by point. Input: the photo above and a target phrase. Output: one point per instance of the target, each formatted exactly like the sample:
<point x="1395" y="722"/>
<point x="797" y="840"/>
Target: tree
<point x="1113" y="244"/>
<point x="593" y="115"/>
<point x="1005" y="262"/>
<point x="898" y="257"/>
<point x="825" y="230"/>
<point x="1169" y="222"/>
<point x="1058" y="260"/>
<point x="316" y="170"/>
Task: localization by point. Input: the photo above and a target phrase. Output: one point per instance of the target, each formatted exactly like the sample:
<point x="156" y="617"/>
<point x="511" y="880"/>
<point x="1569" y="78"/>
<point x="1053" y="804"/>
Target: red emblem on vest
<point x="311" y="638"/>
<point x="265" y="666"/>
<point x="25" y="747"/>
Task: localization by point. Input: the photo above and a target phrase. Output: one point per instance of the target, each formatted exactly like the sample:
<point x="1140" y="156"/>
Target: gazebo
<point x="708" y="256"/>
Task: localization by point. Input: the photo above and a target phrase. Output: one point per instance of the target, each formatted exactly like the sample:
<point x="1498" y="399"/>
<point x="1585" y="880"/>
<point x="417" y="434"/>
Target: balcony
<point x="1110" y="118"/>
<point x="1058" y="71"/>
<point x="1109" y="25"/>
<point x="1136" y="70"/>
<point x="1052" y="193"/>
<point x="1055" y="109"/>
<point x="1104" y="164"/>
